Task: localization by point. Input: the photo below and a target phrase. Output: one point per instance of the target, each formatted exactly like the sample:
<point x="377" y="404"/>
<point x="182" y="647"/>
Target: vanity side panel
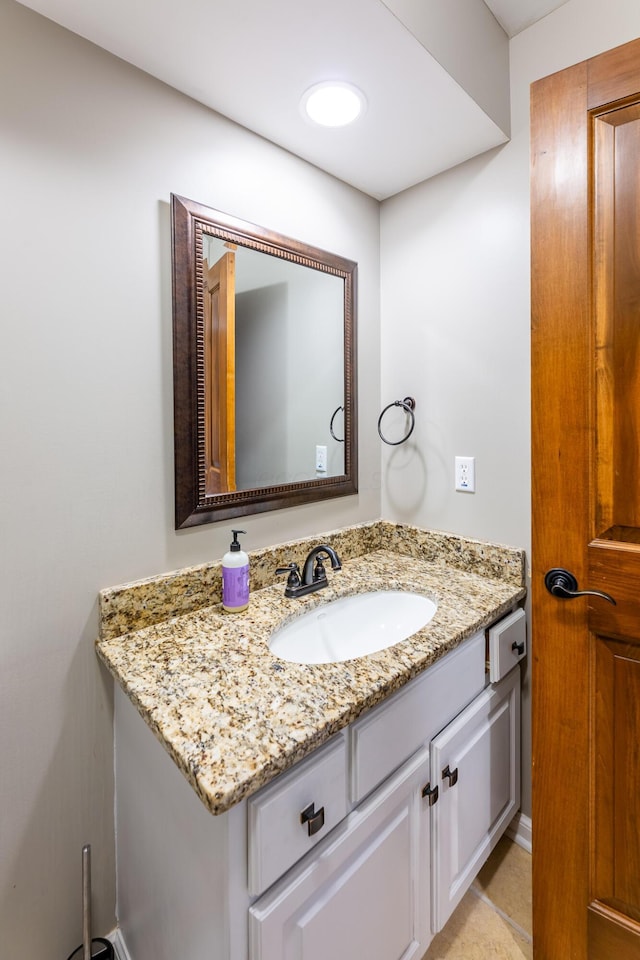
<point x="175" y="882"/>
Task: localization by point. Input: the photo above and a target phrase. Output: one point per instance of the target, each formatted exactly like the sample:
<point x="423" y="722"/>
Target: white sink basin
<point x="352" y="627"/>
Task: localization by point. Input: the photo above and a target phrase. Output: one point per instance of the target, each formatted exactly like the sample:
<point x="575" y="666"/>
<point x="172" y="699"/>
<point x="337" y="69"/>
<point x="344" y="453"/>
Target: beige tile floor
<point x="493" y="921"/>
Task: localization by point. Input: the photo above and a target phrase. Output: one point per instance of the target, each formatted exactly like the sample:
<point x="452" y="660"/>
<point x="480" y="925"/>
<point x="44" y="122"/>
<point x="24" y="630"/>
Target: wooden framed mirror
<point x="264" y="368"/>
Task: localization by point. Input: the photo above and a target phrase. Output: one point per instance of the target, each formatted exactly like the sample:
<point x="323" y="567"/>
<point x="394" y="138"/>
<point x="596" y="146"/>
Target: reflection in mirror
<point x="264" y="368"/>
<point x="289" y="366"/>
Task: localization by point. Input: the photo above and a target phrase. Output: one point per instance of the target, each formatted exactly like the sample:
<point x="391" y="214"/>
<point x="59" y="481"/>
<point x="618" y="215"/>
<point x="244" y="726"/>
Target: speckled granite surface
<point x="131" y="606"/>
<point x="231" y="714"/>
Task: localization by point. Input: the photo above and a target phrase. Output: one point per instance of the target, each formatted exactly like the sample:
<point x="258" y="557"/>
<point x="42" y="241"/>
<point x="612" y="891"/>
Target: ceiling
<point x="422" y="64"/>
<point x="516" y="15"/>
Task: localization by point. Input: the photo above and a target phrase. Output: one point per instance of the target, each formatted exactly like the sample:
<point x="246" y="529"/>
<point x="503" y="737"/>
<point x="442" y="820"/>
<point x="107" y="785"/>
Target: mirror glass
<point x="264" y="368"/>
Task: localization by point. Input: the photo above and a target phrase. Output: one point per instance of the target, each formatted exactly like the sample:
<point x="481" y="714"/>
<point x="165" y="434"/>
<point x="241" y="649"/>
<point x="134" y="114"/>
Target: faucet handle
<point x="293" y="580"/>
<point x="319" y="572"/>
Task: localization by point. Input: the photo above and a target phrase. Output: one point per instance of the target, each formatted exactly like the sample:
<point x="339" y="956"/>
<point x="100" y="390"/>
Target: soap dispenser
<point x="235" y="577"/>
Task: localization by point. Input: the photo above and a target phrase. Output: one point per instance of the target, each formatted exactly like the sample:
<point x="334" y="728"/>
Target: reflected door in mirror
<point x="219" y="366"/>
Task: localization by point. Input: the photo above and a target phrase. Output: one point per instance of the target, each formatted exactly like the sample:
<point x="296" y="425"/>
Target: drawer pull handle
<point x="431" y="793"/>
<point x="314" y="821"/>
<point x="450" y="775"/>
<point x="518" y="647"/>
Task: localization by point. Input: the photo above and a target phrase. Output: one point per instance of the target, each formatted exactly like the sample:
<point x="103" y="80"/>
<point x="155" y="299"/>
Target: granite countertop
<point x="230" y="713"/>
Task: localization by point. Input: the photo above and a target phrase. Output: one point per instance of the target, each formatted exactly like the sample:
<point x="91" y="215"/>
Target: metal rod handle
<point x="86" y="902"/>
<point x="564" y="585"/>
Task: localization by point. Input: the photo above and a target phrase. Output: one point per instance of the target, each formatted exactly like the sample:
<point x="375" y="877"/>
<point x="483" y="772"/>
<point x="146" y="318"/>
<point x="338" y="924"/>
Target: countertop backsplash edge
<point x="129" y="607"/>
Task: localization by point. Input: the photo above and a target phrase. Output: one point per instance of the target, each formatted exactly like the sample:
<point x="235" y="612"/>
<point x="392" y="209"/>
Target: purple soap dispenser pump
<point x="235" y="577"/>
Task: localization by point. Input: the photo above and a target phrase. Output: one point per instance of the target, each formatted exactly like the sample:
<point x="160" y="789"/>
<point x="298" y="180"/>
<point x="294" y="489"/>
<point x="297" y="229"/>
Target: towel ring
<point x="339" y="439"/>
<point x="407" y="404"/>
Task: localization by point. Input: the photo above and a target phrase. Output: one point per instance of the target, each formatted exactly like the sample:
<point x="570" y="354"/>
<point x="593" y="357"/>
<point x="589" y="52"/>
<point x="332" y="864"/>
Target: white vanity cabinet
<point x="348" y="854"/>
<point x="364" y="891"/>
<point x="389" y="876"/>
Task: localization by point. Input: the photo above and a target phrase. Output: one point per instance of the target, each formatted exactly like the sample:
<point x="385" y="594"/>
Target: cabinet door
<point x="476" y="763"/>
<point x="364" y="891"/>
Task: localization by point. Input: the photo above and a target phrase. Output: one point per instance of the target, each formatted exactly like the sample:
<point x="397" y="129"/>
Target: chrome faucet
<point x="313" y="576"/>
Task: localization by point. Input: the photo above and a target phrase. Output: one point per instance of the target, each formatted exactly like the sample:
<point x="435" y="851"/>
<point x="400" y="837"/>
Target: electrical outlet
<point x="466" y="474"/>
<point x="321" y="459"/>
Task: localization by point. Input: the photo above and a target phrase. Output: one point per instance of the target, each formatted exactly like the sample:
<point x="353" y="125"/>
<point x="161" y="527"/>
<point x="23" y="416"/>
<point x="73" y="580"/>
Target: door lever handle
<point x="564" y="585"/>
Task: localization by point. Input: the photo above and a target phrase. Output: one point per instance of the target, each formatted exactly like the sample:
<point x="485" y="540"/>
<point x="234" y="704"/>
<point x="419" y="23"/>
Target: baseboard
<point x="119" y="945"/>
<point x="520" y="831"/>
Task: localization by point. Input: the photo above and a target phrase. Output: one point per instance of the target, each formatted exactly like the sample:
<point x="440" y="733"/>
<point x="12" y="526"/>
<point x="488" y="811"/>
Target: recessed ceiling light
<point x="333" y="103"/>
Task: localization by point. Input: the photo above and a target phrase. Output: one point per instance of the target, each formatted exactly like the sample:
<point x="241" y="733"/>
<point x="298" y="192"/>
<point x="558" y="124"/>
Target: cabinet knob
<point x="450" y="775"/>
<point x="314" y="819"/>
<point x="431" y="793"/>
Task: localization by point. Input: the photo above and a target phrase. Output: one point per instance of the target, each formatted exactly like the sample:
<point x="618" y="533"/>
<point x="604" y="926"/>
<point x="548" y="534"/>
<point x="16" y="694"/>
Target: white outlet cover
<point x="321" y="458"/>
<point x="466" y="474"/>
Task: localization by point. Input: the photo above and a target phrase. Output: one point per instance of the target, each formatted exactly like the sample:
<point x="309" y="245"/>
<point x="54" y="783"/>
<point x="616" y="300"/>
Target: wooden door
<point x="220" y="375"/>
<point x="586" y="508"/>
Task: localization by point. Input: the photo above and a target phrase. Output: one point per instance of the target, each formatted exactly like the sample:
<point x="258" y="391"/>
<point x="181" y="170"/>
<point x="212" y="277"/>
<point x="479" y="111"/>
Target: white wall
<point x="455" y="312"/>
<point x="90" y="150"/>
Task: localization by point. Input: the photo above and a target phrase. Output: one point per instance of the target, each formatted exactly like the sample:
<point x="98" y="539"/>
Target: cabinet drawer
<point x="288" y="817"/>
<point x="390" y="733"/>
<point x="507" y="644"/>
